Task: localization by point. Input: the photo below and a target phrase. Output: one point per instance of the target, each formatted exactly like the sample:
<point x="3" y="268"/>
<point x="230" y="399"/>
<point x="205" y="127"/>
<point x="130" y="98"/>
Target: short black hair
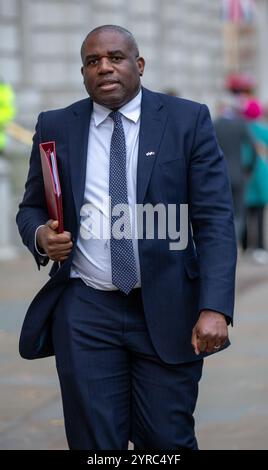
<point x="118" y="29"/>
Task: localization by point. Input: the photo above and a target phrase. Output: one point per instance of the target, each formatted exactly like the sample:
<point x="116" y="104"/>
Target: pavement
<point x="232" y="410"/>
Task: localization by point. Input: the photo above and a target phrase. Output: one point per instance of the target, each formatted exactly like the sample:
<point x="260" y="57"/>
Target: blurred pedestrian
<point x="232" y="134"/>
<point x="7" y="111"/>
<point x="256" y="192"/>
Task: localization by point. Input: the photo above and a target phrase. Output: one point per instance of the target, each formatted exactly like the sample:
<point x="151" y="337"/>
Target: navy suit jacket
<point x="188" y="168"/>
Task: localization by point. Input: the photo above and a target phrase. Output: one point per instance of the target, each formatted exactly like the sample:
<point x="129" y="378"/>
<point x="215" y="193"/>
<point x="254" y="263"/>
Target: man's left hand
<point x="210" y="332"/>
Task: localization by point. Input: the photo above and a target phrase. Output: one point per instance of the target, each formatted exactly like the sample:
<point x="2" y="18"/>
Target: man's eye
<point x="116" y="59"/>
<point x="92" y="62"/>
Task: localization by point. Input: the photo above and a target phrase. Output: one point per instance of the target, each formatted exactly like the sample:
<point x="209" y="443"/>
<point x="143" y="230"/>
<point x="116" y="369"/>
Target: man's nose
<point x="105" y="65"/>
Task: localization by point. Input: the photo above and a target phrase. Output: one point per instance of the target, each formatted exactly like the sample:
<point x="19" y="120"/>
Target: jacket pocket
<point x="171" y="159"/>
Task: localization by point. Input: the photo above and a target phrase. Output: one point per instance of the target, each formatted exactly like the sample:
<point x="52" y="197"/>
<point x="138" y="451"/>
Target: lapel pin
<point x="150" y="154"/>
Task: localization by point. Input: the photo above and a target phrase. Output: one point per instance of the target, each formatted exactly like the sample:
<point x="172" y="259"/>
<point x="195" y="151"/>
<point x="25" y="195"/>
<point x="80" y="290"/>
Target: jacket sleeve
<point x="32" y="210"/>
<point x="211" y="215"/>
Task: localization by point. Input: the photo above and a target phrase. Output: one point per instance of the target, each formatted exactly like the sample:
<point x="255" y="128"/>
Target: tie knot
<point x="116" y="116"/>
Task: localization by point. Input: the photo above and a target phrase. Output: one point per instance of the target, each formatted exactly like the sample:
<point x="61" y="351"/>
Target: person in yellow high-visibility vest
<point x="7" y="111"/>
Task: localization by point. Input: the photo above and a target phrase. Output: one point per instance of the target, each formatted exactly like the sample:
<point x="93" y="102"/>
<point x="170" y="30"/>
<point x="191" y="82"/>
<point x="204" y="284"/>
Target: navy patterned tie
<point x="124" y="271"/>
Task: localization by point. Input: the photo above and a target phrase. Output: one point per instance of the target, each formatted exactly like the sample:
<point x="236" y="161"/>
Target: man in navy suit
<point x="129" y="318"/>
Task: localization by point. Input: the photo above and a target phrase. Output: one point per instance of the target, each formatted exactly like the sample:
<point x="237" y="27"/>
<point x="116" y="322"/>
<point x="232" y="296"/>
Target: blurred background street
<point x="209" y="51"/>
<point x="232" y="411"/>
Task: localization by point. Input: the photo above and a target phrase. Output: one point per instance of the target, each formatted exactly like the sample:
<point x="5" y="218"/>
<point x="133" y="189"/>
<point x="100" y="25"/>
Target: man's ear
<point x="82" y="70"/>
<point x="141" y="65"/>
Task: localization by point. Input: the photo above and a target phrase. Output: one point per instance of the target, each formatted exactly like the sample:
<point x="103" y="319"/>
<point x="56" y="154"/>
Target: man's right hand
<point x="57" y="246"/>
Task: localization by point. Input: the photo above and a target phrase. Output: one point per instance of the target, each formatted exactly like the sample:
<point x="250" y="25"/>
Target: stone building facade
<point x="181" y="40"/>
<point x="40" y="40"/>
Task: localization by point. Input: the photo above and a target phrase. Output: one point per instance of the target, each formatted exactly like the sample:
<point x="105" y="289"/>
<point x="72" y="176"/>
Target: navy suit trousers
<point x="114" y="386"/>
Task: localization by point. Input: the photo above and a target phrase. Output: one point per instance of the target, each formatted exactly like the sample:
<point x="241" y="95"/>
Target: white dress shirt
<point x="92" y="258"/>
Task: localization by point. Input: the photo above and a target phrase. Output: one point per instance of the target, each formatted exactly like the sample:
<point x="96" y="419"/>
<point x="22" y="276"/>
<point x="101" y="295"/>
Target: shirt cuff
<point x="44" y="255"/>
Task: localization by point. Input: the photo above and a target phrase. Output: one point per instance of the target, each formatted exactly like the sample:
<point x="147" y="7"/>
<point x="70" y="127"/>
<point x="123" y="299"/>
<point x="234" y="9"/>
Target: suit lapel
<point x="153" y="120"/>
<point x="78" y="142"/>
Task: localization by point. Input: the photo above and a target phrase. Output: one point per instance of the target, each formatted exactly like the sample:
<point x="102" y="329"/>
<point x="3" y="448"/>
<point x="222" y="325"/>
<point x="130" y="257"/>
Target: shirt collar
<point x="130" y="110"/>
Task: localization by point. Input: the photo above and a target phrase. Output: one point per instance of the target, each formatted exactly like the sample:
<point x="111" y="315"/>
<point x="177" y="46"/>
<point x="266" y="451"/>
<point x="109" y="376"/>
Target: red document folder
<point x="52" y="182"/>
